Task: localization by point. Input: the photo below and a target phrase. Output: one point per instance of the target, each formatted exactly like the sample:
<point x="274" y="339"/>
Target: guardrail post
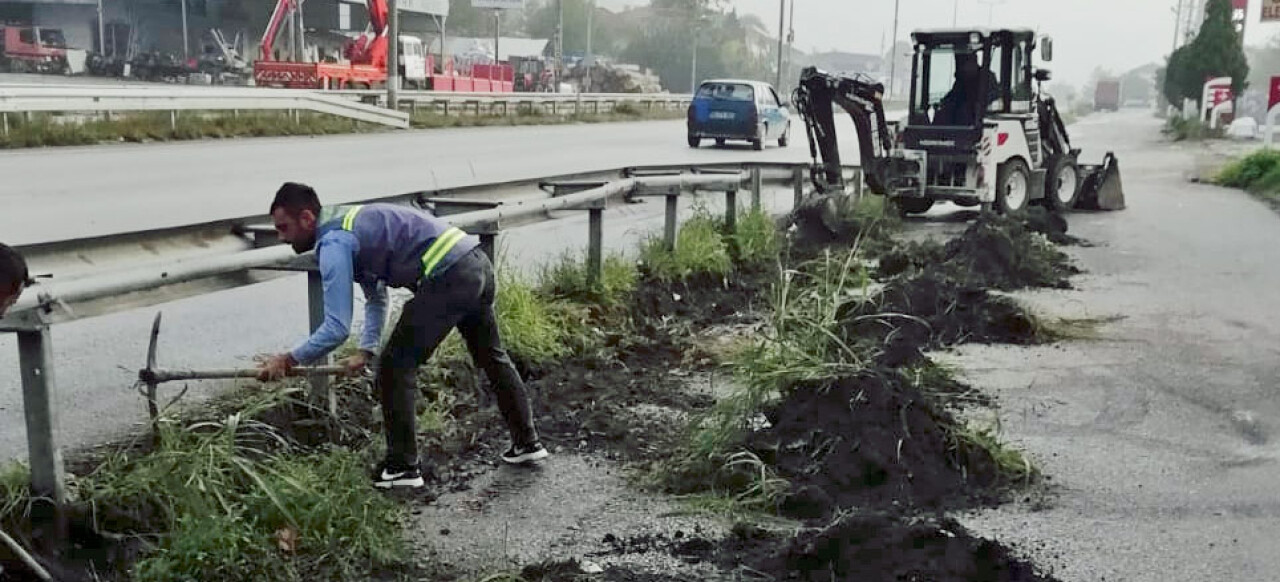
<point x="797" y="182"/>
<point x="297" y="117"/>
<point x="489" y="243"/>
<point x="173" y="119"/>
<point x="595" y="246"/>
<point x="731" y="210"/>
<point x="35" y="356"/>
<point x="315" y="307"/>
<point x="673" y="216"/>
<point x="446" y="108"/>
<point x="5" y="116"/>
<point x="757" y="184"/>
<point x="857" y="183"/>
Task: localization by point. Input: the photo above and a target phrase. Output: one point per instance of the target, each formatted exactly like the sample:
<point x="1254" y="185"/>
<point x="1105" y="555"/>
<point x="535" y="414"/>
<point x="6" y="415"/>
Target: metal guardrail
<point x="60" y="98"/>
<point x="35" y="313"/>
<point x="451" y="102"/>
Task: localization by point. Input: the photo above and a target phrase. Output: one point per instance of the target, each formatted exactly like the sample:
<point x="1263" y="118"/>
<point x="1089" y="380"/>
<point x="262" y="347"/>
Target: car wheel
<point x="720" y="142"/>
<point x="694" y="141"/>
<point x="757" y="144"/>
<point x="786" y="137"/>
<point x="1013" y="187"/>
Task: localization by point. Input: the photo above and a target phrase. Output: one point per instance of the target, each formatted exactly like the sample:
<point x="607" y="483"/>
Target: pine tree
<point x="1217" y="51"/>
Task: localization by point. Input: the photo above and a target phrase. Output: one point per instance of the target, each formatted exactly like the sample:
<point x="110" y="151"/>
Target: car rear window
<point x="727" y="91"/>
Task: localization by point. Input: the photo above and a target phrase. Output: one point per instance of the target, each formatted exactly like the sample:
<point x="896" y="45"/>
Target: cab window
<point x="727" y="92"/>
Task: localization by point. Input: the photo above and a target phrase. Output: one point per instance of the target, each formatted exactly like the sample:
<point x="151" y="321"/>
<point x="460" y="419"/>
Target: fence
<point x="25" y="99"/>
<point x="45" y="305"/>
<point x="355" y="105"/>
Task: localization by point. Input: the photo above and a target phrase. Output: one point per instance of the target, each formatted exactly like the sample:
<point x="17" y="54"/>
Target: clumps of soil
<point x="994" y="252"/>
<point x="889" y="548"/>
<point x="871" y="440"/>
<point x="932" y="310"/>
<point x="703" y="299"/>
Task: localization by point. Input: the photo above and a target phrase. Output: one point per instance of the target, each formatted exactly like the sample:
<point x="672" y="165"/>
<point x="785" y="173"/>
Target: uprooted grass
<point x="834" y="336"/>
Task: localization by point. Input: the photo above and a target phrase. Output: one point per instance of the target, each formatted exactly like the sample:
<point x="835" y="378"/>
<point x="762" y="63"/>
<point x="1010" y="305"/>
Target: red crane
<point x="367" y="55"/>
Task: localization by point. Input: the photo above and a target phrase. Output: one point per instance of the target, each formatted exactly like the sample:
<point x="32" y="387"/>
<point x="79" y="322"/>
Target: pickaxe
<point x="152" y="377"/>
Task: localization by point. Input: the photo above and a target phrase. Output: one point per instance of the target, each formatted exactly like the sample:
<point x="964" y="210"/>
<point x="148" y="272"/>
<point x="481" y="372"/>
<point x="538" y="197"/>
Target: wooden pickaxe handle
<point x="173" y="375"/>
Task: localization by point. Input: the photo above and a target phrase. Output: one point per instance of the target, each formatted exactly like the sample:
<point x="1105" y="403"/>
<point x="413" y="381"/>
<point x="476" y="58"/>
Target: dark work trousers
<point x="460" y="297"/>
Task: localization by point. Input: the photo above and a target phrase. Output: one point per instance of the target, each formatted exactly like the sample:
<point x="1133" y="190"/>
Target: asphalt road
<point x="78" y="192"/>
<point x="1160" y="435"/>
<point x="97" y="359"/>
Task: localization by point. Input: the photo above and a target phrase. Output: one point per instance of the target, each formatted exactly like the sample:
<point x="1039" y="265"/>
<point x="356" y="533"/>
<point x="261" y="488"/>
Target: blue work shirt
<point x="336" y="252"/>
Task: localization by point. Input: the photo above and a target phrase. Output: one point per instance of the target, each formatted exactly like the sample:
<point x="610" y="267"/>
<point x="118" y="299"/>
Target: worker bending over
<point x="384" y="245"/>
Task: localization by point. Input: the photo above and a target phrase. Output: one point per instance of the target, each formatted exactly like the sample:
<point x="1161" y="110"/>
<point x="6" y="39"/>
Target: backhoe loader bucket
<point x="1102" y="188"/>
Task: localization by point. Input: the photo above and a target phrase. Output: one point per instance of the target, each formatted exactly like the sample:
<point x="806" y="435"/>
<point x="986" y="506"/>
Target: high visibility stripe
<point x="349" y="221"/>
<point x="440" y="248"/>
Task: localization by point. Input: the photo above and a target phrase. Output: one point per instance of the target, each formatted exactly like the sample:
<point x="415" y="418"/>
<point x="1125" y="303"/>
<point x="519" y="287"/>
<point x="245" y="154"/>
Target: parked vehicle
<point x="1106" y="96"/>
<point x="29" y="49"/>
<point x="726" y="109"/>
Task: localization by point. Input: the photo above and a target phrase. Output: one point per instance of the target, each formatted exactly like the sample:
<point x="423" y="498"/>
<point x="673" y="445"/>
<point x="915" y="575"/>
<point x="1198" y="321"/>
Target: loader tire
<point x="1062" y="187"/>
<point x="1013" y="187"/>
<point x="694" y="141"/>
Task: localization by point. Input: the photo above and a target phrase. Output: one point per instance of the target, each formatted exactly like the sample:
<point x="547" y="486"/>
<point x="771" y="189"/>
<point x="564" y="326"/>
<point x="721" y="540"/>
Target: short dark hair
<point x="294" y="198"/>
<point x="13" y="269"/>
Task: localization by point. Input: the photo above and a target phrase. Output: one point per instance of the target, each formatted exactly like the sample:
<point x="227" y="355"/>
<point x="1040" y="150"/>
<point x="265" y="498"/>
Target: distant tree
<point x="1217" y="51"/>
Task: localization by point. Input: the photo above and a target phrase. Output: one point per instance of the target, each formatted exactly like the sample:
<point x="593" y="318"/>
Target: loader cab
<point x="961" y="77"/>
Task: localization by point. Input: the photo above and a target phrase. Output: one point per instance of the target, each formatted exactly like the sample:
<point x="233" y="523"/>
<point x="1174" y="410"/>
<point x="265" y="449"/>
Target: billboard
<point x="498" y="4"/>
<point x="1270" y="10"/>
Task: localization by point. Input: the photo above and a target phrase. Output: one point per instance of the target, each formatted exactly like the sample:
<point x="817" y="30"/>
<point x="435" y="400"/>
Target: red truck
<point x="31" y="49"/>
<point x="1106" y="96"/>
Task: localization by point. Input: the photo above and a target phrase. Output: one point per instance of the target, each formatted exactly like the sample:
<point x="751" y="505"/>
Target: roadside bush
<point x="533" y="329"/>
<point x="1247" y="172"/>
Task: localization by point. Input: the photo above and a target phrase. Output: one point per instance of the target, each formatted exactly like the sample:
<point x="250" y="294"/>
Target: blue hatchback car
<point x="725" y="109"/>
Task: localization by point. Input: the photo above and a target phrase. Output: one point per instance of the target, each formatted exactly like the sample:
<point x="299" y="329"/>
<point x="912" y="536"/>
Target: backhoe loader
<point x="979" y="132"/>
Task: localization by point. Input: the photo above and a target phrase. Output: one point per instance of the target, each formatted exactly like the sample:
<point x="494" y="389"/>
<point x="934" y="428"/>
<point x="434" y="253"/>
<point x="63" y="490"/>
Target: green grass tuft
<point x="566" y="278"/>
<point x="757" y="239"/>
<point x="700" y="250"/>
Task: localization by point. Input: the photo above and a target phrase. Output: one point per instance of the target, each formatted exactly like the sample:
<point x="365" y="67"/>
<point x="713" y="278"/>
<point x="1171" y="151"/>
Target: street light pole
<point x="186" y="50"/>
<point x="102" y="32"/>
<point x="893" y="50"/>
<point x="393" y="56"/>
<point x="591" y="8"/>
<point x="955" y="14"/>
<point x="782" y="28"/>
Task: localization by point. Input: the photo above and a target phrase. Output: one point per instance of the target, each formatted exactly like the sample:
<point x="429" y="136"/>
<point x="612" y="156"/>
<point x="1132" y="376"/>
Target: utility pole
<point x="693" y="73"/>
<point x="1177" y="24"/>
<point x="591" y="8"/>
<point x="393" y="56"/>
<point x="497" y="34"/>
<point x="186" y="50"/>
<point x="791" y="36"/>
<point x="559" y="43"/>
<point x="955" y="14"/>
<point x="782" y="27"/>
<point x="102" y="32"/>
<point x="893" y="50"/>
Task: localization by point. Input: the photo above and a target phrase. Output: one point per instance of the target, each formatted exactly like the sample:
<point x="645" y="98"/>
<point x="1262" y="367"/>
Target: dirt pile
<point x="932" y="310"/>
<point x="995" y="251"/>
<point x="869" y="441"/>
<point x="703" y="299"/>
<point x="887" y="548"/>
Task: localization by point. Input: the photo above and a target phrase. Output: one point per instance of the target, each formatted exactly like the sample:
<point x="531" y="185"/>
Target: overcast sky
<point x="1116" y="34"/>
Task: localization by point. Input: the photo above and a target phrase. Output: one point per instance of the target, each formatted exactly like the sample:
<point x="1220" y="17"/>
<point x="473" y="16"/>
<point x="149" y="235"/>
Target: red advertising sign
<point x="1275" y="93"/>
<point x="1219" y="95"/>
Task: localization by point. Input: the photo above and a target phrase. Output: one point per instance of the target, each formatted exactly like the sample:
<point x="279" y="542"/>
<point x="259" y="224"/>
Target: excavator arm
<point x="282" y="10"/>
<point x="860" y="96"/>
